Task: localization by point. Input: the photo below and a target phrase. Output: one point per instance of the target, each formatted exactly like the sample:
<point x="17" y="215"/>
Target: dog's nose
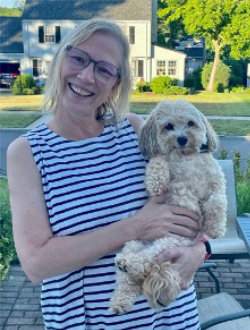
<point x="182" y="140"/>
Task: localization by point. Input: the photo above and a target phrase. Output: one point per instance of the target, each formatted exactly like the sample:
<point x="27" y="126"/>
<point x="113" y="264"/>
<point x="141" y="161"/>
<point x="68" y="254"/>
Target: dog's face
<point x="177" y="128"/>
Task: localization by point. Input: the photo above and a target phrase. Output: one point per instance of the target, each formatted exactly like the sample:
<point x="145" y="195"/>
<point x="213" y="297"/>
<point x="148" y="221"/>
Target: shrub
<point x="175" y="90"/>
<point x="7" y="247"/>
<point x="23" y="82"/>
<point x="221" y="77"/>
<point x="142" y="86"/>
<point x="242" y="184"/>
<point x="28" y="91"/>
<point x="157" y="84"/>
<point x="240" y="90"/>
<point x="194" y="81"/>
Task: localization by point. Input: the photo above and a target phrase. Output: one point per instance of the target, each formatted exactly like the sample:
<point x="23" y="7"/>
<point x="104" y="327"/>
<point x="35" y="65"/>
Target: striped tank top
<point x="89" y="184"/>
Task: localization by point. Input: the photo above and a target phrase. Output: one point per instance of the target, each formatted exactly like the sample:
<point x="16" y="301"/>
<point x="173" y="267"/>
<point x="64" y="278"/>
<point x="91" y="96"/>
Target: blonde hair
<point x="118" y="103"/>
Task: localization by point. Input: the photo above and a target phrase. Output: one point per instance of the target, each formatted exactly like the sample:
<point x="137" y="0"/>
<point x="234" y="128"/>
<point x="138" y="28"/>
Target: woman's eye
<point x="169" y="127"/>
<point x="79" y="59"/>
<point x="190" y="123"/>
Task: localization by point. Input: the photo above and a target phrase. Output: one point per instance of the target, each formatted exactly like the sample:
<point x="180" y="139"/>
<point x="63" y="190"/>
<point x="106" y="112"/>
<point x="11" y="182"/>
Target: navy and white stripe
<point x="89" y="184"/>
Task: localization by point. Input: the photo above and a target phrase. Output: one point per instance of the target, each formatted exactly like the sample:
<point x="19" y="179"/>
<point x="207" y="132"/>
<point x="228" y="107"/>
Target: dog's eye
<point x="190" y="123"/>
<point x="169" y="126"/>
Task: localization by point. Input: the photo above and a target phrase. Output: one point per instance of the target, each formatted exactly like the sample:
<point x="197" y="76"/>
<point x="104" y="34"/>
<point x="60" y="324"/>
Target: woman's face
<point x="84" y="89"/>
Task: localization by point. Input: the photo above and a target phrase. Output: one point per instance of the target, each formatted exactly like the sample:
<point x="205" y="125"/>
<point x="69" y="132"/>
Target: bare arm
<point x="43" y="255"/>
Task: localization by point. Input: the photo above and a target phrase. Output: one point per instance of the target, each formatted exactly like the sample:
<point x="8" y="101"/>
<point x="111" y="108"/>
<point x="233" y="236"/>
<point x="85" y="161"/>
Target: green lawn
<point x="209" y="103"/>
<point x="12" y="120"/>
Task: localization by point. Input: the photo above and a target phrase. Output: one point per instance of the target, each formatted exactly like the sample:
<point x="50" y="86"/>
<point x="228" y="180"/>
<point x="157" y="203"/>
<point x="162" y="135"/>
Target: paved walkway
<point x="20" y="299"/>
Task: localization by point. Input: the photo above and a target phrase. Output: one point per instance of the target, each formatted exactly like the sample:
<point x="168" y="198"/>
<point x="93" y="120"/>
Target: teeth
<point x="80" y="91"/>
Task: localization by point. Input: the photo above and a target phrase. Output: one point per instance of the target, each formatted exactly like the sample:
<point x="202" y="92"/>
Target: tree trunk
<point x="217" y="48"/>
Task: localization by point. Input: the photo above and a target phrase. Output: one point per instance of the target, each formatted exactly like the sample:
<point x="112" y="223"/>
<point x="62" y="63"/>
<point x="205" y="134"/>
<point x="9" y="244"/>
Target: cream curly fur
<point x="178" y="141"/>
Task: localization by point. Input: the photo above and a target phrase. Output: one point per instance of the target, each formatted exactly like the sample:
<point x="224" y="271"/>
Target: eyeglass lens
<point x="79" y="60"/>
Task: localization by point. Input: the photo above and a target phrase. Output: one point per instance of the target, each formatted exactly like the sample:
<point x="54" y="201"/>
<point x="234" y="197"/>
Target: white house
<point x="44" y="23"/>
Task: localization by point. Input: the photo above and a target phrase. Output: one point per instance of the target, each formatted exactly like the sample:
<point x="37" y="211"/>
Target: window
<point x="137" y="68"/>
<point x="49" y="34"/>
<point x="140" y="68"/>
<point x="172" y="68"/>
<point x="161" y="68"/>
<point x="132" y="35"/>
<point x="37" y="67"/>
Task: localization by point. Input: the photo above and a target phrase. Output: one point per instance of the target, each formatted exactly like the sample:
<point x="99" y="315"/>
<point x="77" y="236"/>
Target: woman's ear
<point x="148" y="141"/>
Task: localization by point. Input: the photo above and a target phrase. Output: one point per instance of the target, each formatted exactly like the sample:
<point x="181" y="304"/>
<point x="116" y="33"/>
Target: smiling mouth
<point x="79" y="91"/>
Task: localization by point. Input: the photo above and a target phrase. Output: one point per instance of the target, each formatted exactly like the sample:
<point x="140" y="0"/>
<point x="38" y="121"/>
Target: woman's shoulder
<point x="135" y="121"/>
<point x="19" y="149"/>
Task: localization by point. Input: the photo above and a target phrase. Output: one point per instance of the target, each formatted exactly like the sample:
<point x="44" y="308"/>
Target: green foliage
<point x="175" y="90"/>
<point x="242" y="184"/>
<point x="142" y="86"/>
<point x="194" y="81"/>
<point x="157" y="84"/>
<point x="240" y="90"/>
<point x="242" y="179"/>
<point x="221" y="77"/>
<point x="7" y="248"/>
<point x="238" y="71"/>
<point x="224" y="21"/>
<point x="22" y="83"/>
<point x="10" y="12"/>
<point x="28" y="91"/>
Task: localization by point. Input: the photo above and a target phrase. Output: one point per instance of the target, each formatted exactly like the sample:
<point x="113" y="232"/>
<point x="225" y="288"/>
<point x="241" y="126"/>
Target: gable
<point x="87" y="9"/>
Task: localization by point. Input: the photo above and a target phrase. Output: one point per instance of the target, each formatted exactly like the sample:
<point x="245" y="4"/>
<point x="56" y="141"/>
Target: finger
<point x="182" y="211"/>
<point x="183" y="231"/>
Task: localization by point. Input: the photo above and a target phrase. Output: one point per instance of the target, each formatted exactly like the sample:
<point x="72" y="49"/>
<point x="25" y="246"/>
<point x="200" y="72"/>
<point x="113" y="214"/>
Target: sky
<point x="7" y="3"/>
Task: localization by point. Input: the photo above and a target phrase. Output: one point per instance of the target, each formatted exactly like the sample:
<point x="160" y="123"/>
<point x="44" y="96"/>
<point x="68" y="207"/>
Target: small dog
<point x="178" y="141"/>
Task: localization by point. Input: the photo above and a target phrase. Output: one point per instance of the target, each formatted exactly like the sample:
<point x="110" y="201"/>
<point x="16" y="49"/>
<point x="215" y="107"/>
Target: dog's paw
<point x="120" y="306"/>
<point x="121" y="263"/>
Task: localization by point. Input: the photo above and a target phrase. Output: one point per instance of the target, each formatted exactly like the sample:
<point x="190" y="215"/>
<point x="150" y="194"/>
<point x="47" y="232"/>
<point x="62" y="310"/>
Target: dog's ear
<point x="212" y="138"/>
<point x="148" y="141"/>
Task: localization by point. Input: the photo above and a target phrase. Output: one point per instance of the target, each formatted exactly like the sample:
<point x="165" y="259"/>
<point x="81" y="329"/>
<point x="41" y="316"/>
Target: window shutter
<point x="58" y="34"/>
<point x="132" y="35"/>
<point x="41" y="34"/>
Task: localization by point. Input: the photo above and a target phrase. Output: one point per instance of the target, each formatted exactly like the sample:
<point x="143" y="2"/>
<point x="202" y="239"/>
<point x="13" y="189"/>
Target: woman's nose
<point x="87" y="73"/>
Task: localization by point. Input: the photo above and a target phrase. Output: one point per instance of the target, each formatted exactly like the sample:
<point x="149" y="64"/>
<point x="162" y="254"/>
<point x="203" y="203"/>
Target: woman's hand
<point x="156" y="220"/>
<point x="186" y="261"/>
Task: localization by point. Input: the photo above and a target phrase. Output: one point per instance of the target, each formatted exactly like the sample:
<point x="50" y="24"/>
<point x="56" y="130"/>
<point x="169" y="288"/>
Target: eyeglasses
<point x="78" y="60"/>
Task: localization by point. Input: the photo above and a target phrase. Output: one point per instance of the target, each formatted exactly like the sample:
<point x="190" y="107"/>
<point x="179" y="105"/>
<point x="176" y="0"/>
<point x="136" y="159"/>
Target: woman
<point x="77" y="192"/>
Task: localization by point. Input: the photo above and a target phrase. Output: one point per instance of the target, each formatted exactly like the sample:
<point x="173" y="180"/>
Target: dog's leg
<point x="161" y="286"/>
<point x="125" y="294"/>
<point x="214" y="209"/>
<point x="157" y="176"/>
<point x="128" y="254"/>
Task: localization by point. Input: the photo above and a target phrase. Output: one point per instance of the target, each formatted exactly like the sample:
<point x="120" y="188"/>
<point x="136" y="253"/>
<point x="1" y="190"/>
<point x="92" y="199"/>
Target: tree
<point x="19" y="4"/>
<point x="222" y="22"/>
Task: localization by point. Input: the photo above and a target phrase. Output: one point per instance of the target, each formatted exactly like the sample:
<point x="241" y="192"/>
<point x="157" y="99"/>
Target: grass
<point x="231" y="127"/>
<point x="211" y="104"/>
<point x="12" y="120"/>
<point x="20" y="102"/>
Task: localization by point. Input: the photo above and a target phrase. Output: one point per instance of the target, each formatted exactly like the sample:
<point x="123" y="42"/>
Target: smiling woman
<point x="77" y="191"/>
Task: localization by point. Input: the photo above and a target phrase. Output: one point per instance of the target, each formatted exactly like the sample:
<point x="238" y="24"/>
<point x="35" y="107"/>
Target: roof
<point x="86" y="9"/>
<point x="194" y="52"/>
<point x="11" y="35"/>
<point x="170" y="49"/>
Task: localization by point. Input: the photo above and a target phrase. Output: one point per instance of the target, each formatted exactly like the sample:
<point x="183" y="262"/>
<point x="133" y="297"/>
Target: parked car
<point x="7" y="79"/>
